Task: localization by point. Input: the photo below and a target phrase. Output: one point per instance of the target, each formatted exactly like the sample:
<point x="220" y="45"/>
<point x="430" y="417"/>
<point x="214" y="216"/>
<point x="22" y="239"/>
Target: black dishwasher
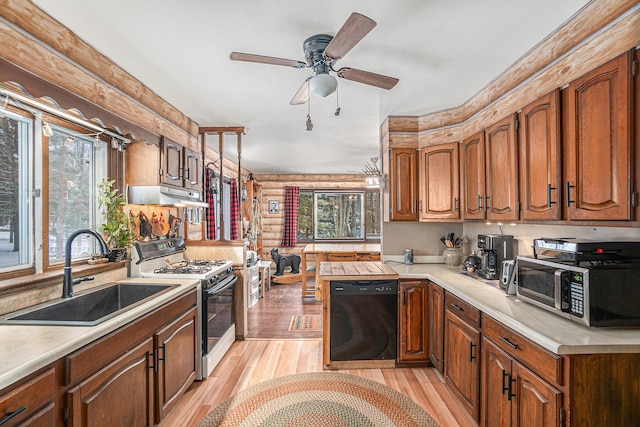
<point x="363" y="319"/>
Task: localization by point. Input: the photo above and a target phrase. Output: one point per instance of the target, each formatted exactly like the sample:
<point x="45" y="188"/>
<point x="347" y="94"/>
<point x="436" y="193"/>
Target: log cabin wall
<point x="44" y="50"/>
<point x="273" y="189"/>
<point x="599" y="32"/>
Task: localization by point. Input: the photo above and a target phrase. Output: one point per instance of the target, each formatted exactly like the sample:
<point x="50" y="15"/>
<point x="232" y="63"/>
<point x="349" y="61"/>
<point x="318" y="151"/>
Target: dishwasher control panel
<point x="364" y="287"/>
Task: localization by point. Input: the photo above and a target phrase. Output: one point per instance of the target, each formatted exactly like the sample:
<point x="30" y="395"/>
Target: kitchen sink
<point x="88" y="309"/>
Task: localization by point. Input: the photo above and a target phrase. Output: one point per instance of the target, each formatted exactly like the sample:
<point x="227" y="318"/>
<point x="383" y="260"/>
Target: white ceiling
<point x="443" y="52"/>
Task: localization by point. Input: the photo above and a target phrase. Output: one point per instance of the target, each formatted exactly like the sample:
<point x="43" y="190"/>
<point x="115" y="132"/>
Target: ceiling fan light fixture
<point x="323" y="85"/>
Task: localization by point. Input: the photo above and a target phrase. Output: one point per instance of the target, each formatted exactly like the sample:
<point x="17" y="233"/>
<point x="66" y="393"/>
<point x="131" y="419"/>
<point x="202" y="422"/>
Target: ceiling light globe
<point x="323" y="85"/>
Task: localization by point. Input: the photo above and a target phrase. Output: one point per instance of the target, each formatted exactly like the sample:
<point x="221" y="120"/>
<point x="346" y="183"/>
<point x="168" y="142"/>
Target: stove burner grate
<point x="189" y="269"/>
<point x="207" y="262"/>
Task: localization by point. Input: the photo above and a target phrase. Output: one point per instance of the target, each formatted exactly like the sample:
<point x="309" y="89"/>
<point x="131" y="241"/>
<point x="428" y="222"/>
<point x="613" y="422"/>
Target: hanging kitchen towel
<point x="209" y="197"/>
<point x="145" y="225"/>
<point x="233" y="214"/>
<point x="156" y="227"/>
<point x="134" y="225"/>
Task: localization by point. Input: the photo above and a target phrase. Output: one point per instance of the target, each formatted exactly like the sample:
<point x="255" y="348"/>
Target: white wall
<point x="424" y="238"/>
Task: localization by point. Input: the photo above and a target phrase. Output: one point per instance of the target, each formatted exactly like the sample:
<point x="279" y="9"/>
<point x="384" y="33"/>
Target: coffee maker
<point x="494" y="248"/>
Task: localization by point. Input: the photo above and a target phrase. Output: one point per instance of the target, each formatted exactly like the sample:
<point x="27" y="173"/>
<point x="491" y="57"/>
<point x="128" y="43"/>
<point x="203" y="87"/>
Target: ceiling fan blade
<point x="248" y="57"/>
<point x="302" y="94"/>
<point x="354" y="29"/>
<point x="368" y="78"/>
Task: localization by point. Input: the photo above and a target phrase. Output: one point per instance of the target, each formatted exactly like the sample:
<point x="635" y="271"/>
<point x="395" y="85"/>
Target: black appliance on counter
<point x="494" y="248"/>
<point x="364" y="317"/>
<point x="590" y="282"/>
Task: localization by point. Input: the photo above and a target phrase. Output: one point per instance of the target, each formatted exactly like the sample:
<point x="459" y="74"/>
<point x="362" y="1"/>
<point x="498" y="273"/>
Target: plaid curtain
<point x="234" y="209"/>
<point x="291" y="203"/>
<point x="210" y="214"/>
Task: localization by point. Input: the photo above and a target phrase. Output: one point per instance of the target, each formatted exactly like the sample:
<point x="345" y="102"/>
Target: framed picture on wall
<point x="274" y="206"/>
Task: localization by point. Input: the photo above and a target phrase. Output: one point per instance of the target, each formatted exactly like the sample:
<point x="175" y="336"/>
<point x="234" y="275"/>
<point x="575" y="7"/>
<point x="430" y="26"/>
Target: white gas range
<point x="164" y="258"/>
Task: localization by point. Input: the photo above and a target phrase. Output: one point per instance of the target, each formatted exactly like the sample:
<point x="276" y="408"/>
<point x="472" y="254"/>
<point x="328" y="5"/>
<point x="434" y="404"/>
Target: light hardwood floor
<point x="259" y="359"/>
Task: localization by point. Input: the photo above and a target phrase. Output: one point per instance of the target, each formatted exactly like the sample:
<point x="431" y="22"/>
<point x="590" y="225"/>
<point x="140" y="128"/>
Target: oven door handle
<point x="222" y="286"/>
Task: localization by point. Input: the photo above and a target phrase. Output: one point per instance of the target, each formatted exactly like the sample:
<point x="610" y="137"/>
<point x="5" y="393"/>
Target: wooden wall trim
<point x="589" y="20"/>
<point x="599" y="32"/>
<point x="85" y="72"/>
<point x="37" y="88"/>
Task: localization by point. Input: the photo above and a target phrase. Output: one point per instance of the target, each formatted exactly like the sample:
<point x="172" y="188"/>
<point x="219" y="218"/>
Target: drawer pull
<point x="457" y="307"/>
<point x="509" y="343"/>
<point x="12" y="415"/>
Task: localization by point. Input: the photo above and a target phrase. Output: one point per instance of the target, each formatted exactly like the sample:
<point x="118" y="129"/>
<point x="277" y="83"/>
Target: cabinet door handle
<point x="187" y="174"/>
<point x="457" y="307"/>
<point x="479" y="203"/>
<point x="164" y="351"/>
<point x="505" y="385"/>
<point x="404" y="297"/>
<point x="12" y="415"/>
<point x="549" y="188"/>
<point x="471" y="356"/>
<point x="509" y="343"/>
<point x="455" y="204"/>
<point x="154" y="361"/>
<point x="510" y="393"/>
<point x="485" y="202"/>
<point x="567" y="188"/>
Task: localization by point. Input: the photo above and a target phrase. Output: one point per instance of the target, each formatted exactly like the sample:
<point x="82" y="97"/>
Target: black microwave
<point x="603" y="294"/>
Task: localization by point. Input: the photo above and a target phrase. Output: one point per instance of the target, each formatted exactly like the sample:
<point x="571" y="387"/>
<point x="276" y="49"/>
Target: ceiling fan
<point x="322" y="51"/>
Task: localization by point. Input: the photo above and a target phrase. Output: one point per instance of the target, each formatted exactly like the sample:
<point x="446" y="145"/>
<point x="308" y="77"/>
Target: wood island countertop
<point x="356" y="270"/>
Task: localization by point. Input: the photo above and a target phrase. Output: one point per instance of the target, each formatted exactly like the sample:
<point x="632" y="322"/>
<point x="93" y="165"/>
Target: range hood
<point x="164" y="196"/>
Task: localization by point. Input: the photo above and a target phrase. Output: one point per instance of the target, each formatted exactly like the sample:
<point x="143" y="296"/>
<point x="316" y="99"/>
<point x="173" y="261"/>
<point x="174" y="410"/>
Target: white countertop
<point x="26" y="348"/>
<point x="553" y="332"/>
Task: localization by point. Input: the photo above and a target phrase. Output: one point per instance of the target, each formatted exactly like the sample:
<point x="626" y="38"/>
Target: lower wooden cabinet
<point x="512" y="395"/>
<point x="130" y="377"/>
<point x="120" y="394"/>
<point x="157" y="362"/>
<point x="176" y="360"/>
<point x="436" y="326"/>
<point x="413" y="329"/>
<point x="31" y="403"/>
<point x="462" y="361"/>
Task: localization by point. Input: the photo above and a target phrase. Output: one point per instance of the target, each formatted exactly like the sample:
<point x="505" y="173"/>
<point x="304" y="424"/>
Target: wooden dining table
<point x="322" y="252"/>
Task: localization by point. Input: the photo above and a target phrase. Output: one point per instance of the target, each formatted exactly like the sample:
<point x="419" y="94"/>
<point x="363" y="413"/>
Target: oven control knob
<point x="213" y="279"/>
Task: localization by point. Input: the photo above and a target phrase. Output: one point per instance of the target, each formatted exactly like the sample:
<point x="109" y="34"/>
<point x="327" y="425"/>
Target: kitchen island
<point x="371" y="312"/>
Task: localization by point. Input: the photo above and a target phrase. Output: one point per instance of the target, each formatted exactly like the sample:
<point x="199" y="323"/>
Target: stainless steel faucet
<point x="67" y="281"/>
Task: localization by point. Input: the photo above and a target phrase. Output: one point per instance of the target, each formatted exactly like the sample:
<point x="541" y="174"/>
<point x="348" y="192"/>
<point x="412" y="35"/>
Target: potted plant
<point x="115" y="229"/>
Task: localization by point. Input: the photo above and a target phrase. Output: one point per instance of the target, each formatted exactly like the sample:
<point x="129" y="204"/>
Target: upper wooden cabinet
<point x="472" y="161"/>
<point x="501" y="160"/>
<point x="180" y="165"/>
<point x="540" y="159"/>
<point x="490" y="173"/>
<point x="440" y="182"/>
<point x="403" y="184"/>
<point x="597" y="148"/>
<point x="170" y="164"/>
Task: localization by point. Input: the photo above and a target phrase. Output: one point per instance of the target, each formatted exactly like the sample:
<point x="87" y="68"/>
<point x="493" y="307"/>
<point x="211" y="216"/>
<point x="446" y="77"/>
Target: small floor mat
<point x="306" y="323"/>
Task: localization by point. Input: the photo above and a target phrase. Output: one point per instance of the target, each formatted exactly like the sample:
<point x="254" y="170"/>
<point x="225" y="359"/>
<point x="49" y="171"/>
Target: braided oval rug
<point x="327" y="399"/>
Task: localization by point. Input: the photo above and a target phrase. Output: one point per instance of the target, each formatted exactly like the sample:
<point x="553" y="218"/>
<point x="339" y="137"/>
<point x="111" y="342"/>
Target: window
<point x="47" y="190"/>
<point x="339" y="215"/>
<point x="76" y="164"/>
<point x="15" y="183"/>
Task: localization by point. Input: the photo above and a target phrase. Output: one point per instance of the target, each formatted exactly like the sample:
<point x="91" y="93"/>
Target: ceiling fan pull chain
<point x="337" y="102"/>
<point x="309" y="124"/>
